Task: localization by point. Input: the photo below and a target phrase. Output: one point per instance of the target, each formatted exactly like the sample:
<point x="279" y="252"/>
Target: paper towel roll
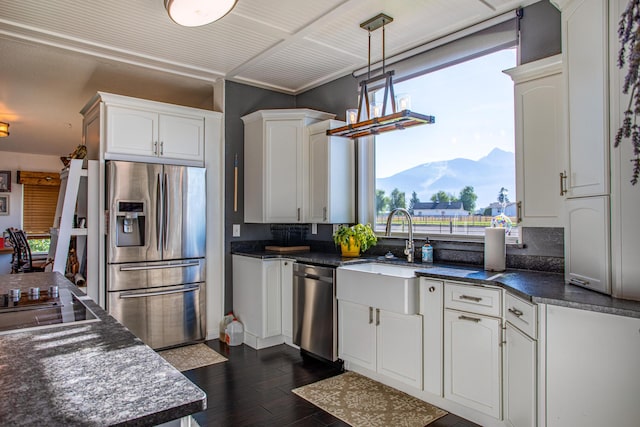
<point x="494" y="249"/>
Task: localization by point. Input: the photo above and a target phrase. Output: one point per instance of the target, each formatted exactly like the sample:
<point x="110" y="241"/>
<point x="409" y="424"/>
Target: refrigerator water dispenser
<point x="130" y="219"/>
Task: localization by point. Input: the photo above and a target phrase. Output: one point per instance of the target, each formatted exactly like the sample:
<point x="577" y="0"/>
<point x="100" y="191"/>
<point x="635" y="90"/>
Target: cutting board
<point x="287" y="248"/>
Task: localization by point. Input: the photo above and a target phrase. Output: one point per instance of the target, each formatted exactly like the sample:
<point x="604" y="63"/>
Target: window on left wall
<point x="38" y="212"/>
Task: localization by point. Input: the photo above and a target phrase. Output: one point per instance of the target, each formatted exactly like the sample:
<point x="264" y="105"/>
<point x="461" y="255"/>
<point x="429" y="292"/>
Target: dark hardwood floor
<point x="254" y="387"/>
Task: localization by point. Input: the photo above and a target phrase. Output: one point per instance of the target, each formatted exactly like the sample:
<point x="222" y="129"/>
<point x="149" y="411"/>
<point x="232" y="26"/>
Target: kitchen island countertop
<point x="90" y="374"/>
<point x="536" y="286"/>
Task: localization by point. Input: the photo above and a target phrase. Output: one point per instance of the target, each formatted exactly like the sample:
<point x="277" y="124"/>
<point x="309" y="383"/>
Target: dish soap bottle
<point x="427" y="252"/>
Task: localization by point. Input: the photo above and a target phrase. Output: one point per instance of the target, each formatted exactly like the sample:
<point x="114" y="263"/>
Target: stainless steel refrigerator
<point x="155" y="251"/>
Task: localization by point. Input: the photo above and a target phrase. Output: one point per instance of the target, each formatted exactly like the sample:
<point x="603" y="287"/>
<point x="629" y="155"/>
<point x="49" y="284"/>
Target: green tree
<point x="443" y="197"/>
<point x="397" y="199"/>
<point x="413" y="201"/>
<point x="382" y="201"/>
<point x="468" y="198"/>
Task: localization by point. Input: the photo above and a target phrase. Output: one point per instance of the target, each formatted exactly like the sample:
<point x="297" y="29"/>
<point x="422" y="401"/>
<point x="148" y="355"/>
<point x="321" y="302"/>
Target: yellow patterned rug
<point x="191" y="357"/>
<point x="361" y="401"/>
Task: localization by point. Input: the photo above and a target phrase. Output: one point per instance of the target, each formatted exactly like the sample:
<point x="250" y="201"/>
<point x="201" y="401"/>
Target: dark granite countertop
<point x="90" y="374"/>
<point x="535" y="286"/>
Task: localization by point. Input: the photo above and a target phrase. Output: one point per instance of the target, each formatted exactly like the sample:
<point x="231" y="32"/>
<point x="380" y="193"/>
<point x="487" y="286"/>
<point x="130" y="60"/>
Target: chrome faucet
<point x="408" y="247"/>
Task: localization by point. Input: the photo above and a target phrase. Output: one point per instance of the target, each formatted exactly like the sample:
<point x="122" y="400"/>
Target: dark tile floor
<point x="254" y="389"/>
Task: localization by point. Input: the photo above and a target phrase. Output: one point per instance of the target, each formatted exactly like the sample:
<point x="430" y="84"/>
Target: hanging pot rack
<point x="375" y="125"/>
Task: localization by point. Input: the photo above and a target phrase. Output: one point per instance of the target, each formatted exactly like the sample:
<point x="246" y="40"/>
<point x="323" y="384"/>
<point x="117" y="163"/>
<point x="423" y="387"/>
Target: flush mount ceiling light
<point x="194" y="13"/>
<point x="4" y="129"/>
<point x="372" y="125"/>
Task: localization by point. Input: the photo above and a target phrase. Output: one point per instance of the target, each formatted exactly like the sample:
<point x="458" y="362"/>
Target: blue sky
<point x="473" y="107"/>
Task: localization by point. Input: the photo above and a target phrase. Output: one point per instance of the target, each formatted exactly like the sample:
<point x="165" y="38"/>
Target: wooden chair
<point x="22" y="261"/>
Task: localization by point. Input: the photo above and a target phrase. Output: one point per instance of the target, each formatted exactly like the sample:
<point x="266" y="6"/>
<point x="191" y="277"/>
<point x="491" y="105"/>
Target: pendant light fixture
<point x="194" y="13"/>
<point x="4" y="129"/>
<point x="371" y="124"/>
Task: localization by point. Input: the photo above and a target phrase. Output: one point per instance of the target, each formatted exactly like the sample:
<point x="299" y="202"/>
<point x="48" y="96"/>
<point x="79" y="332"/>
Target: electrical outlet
<point x="314" y="228"/>
<point x="236" y="230"/>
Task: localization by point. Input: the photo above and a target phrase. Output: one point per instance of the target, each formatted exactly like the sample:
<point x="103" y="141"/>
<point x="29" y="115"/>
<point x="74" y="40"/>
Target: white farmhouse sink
<point x="385" y="286"/>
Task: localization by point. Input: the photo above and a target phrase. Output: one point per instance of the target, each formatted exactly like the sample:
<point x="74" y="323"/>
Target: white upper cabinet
<point x="276" y="164"/>
<point x="331" y="176"/>
<point x="585" y="41"/>
<point x="540" y="142"/>
<point x="148" y="131"/>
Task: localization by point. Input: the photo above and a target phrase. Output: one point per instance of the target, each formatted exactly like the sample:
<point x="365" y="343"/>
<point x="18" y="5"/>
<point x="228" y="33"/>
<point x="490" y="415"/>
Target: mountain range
<point x="487" y="175"/>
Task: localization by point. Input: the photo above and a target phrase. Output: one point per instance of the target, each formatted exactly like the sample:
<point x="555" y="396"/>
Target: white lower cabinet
<point x="520" y="368"/>
<point x="593" y="369"/>
<point x="258" y="287"/>
<point x="520" y="375"/>
<point x="381" y="341"/>
<point x="472" y="361"/>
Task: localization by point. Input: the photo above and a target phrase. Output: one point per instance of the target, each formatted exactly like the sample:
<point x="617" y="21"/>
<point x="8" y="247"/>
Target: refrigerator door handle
<point x="158" y="212"/>
<point x="153" y="294"/>
<point x="165" y="210"/>
<point x="158" y="267"/>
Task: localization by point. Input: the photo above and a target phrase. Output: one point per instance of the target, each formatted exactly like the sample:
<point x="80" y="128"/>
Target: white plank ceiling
<point x="57" y="53"/>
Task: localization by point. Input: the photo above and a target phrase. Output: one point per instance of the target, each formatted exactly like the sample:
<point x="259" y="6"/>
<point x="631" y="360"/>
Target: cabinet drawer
<point x="475" y="299"/>
<point x="522" y="314"/>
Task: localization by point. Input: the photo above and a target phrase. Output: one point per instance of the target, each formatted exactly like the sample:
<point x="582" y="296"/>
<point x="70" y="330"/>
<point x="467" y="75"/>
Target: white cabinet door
<point x="331" y="176"/>
<point x="131" y="131"/>
<point x="540" y="147"/>
<point x="399" y="347"/>
<point x="357" y="334"/>
<point x="472" y="361"/>
<point x="286" y="276"/>
<point x="181" y="137"/>
<point x="593" y="369"/>
<point x="585" y="49"/>
<point x="520" y="373"/>
<point x="431" y="308"/>
<point x="271" y="298"/>
<point x="587" y="243"/>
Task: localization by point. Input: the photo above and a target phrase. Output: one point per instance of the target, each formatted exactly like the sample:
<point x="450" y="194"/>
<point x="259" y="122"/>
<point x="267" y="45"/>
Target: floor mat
<point x="191" y="357"/>
<point x="361" y="401"/>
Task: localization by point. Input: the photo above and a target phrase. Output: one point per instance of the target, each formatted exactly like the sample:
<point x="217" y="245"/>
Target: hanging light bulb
<point x="194" y="13"/>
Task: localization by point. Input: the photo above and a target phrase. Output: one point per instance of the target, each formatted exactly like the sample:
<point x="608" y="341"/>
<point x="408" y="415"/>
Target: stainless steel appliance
<point x="315" y="310"/>
<point x="155" y="251"/>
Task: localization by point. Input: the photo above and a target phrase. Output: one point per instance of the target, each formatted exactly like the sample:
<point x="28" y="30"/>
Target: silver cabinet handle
<point x="579" y="281"/>
<point x="516" y="312"/>
<point x="370" y="315"/>
<point x="159" y="267"/>
<point x="162" y="148"/>
<point x="155" y="147"/>
<point x="470" y="319"/>
<point x="324" y="213"/>
<point x="432" y="288"/>
<point x="470" y="298"/>
<point x="377" y="316"/>
<point x="298" y="214"/>
<point x="154" y="294"/>
<point x="519" y="206"/>
<point x="563" y="183"/>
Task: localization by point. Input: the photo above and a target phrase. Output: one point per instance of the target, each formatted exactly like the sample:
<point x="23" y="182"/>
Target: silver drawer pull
<point x="470" y="298"/>
<point x="470" y="319"/>
<point x="370" y="315"/>
<point x="154" y="294"/>
<point x="515" y="312"/>
<point x="158" y="267"/>
<point x="579" y="281"/>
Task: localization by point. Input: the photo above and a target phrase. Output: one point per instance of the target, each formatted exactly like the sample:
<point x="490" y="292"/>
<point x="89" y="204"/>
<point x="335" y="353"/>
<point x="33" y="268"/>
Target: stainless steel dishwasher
<point x="314" y="310"/>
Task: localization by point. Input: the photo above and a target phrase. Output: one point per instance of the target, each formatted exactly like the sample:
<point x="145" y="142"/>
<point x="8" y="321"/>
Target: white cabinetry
<point x="472" y="347"/>
<point x="381" y="341"/>
<point x="148" y="131"/>
<point x="331" y="176"/>
<point x="585" y="46"/>
<point x="258" y="299"/>
<point x="520" y="363"/>
<point x="432" y="310"/>
<point x="587" y="243"/>
<point x="276" y="164"/>
<point x="540" y="147"/>
<point x="593" y="373"/>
